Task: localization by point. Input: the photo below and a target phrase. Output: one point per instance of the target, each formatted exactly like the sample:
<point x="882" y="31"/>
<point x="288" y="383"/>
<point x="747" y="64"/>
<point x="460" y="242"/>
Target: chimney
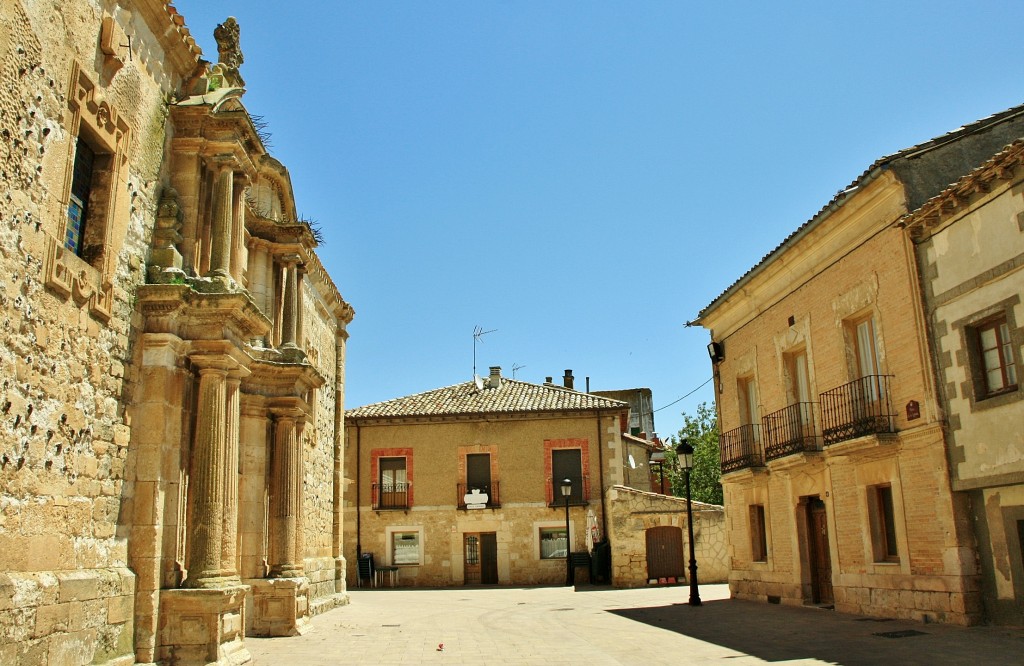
<point x="567" y="380"/>
<point x="547" y="381"/>
<point x="494" y="381"/>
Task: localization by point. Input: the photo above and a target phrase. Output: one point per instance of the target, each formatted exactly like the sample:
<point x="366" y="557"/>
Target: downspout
<point x="600" y="462"/>
<point x="359" y="518"/>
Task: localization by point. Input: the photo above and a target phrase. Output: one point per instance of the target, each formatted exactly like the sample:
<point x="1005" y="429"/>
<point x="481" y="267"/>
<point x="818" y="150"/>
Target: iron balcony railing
<point x="489" y="489"/>
<point x="791" y="430"/>
<point x="391" y="495"/>
<point x="741" y="448"/>
<point x="862" y="407"/>
<point x="578" y="496"/>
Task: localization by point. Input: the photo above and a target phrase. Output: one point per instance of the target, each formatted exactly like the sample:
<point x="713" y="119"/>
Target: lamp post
<point x="566" y="489"/>
<point x="685" y="452"/>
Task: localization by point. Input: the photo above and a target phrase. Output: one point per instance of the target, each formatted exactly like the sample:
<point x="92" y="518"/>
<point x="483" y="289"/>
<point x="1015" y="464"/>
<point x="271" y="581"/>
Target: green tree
<point x="701" y="432"/>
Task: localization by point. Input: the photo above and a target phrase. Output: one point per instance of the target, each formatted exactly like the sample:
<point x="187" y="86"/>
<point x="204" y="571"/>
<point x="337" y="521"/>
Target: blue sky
<point x="584" y="177"/>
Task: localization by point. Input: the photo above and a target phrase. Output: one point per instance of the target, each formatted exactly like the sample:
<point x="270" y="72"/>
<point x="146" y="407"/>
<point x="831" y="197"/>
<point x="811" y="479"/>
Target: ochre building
<point x="172" y="351"/>
<point x="837" y="484"/>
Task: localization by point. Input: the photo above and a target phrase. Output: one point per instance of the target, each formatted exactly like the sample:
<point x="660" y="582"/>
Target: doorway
<point x="819" y="556"/>
<point x="480" y="558"/>
<point x="665" y="554"/>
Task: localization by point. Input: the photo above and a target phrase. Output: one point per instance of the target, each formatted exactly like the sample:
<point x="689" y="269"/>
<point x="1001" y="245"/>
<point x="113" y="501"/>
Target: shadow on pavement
<point x="784" y="633"/>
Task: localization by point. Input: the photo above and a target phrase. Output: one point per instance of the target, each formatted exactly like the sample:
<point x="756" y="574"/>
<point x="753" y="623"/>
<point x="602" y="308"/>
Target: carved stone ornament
<point x="230" y="53"/>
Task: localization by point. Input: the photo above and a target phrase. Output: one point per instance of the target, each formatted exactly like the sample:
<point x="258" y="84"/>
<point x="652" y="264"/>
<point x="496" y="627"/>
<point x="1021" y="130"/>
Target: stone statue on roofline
<point x="228" y="47"/>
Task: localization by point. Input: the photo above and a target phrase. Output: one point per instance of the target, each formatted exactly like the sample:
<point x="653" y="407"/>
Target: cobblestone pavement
<point x="597" y="625"/>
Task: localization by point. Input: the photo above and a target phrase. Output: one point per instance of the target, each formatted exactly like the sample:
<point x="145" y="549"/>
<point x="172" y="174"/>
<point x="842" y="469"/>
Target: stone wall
<point x="65" y="589"/>
<point x="632" y="512"/>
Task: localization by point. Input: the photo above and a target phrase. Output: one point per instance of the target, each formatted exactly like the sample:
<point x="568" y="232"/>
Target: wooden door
<point x="820" y="557"/>
<point x="489" y="558"/>
<point x="665" y="553"/>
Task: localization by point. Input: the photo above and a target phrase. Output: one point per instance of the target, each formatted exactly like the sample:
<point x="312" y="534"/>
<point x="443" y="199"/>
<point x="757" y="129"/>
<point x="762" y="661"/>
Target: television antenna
<point x="516" y="366"/>
<point x="478" y="332"/>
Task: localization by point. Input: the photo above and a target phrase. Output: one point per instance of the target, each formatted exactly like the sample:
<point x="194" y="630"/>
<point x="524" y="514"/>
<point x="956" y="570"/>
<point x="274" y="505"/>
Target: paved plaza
<point x="599" y="625"/>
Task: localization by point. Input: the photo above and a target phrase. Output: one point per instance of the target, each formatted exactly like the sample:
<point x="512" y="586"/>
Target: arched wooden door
<point x="665" y="553"/>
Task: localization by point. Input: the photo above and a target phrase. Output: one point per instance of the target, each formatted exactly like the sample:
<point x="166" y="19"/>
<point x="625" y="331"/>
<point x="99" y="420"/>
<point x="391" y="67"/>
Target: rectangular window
<point x="883" y="523"/>
<point x="996" y="351"/>
<point x="746" y="390"/>
<point x="393" y="487"/>
<point x="405" y="548"/>
<point x="553" y="543"/>
<point x="758" y="534"/>
<point x="567" y="464"/>
<point x="478" y="472"/>
<point x="78" y="204"/>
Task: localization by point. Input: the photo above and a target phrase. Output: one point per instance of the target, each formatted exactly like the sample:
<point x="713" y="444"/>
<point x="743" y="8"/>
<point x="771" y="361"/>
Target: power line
<point x="685" y="396"/>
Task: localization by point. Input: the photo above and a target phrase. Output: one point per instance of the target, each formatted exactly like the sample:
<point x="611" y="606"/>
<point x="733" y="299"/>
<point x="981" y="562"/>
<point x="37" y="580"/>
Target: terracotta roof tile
<point x="510" y="397"/>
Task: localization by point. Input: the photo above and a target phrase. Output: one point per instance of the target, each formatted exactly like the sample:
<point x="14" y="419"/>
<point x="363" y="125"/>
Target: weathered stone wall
<point x="65" y="589"/>
<point x="632" y="512"/>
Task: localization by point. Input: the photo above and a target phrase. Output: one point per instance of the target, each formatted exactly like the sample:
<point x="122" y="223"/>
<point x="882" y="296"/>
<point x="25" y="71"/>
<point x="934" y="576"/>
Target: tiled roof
<point x="510" y="397"/>
<point x="958" y="195"/>
<point x="843" y="195"/>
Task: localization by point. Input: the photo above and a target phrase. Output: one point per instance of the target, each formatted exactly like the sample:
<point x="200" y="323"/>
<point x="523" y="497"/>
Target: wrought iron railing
<point x="578" y="496"/>
<point x="790" y="430"/>
<point x="391" y="495"/>
<point x="862" y="407"/>
<point x="741" y="448"/>
<point x="490" y="490"/>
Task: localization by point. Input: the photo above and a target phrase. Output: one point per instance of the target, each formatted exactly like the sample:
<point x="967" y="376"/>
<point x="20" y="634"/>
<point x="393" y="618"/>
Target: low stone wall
<point x="632" y="512"/>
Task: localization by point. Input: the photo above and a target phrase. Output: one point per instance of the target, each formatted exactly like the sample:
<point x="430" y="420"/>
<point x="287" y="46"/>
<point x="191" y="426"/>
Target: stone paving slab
<point x="597" y="625"/>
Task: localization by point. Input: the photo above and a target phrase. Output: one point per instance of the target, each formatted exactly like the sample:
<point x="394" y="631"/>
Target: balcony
<point x="741" y="448"/>
<point x="490" y="490"/>
<point x="390" y="496"/>
<point x="862" y="407"/>
<point x="791" y="430"/>
<point x="579" y="496"/>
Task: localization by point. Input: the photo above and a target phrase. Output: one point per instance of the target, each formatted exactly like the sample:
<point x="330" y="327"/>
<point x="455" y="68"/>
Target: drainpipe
<point x="600" y="462"/>
<point x="359" y="520"/>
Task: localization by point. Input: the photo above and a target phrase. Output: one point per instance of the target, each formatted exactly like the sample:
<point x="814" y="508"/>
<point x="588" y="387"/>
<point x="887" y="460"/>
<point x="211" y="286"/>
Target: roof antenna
<point x="516" y="366"/>
<point x="478" y="332"/>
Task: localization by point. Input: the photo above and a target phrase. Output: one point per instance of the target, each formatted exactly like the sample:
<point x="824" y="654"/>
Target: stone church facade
<point x="172" y="351"/>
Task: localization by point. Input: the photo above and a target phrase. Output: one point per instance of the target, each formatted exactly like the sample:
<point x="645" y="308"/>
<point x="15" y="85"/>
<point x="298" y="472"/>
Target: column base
<point x="203" y="627"/>
<point x="280" y="606"/>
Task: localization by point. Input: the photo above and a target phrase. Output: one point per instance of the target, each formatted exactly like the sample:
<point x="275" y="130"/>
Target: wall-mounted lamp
<point x="716" y="351"/>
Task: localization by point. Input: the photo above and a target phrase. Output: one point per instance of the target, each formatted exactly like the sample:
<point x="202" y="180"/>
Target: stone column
<point x="223" y="221"/>
<point x="285" y="497"/>
<point x="238" y="249"/>
<point x="291" y="288"/>
<point x="270" y="282"/>
<point x="207" y="482"/>
<point x="229" y="535"/>
<point x="300" y="273"/>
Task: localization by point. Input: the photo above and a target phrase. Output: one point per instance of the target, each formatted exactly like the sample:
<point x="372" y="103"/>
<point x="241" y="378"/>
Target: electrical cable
<point x="685" y="396"/>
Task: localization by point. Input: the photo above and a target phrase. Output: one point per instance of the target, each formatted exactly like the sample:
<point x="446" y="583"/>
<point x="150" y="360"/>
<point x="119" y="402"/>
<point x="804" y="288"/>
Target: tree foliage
<point x="705" y="478"/>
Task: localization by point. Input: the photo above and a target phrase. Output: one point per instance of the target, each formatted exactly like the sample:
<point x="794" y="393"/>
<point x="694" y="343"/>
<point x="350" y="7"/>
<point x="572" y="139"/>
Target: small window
<point x="758" y="534"/>
<point x="553" y="544"/>
<point x="78" y="204"/>
<point x="883" y="523"/>
<point x="405" y="548"/>
<point x="997" y="361"/>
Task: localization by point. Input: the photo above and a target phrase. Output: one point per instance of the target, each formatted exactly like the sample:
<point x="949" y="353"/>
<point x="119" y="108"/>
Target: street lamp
<point x="566" y="489"/>
<point x="685" y="452"/>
